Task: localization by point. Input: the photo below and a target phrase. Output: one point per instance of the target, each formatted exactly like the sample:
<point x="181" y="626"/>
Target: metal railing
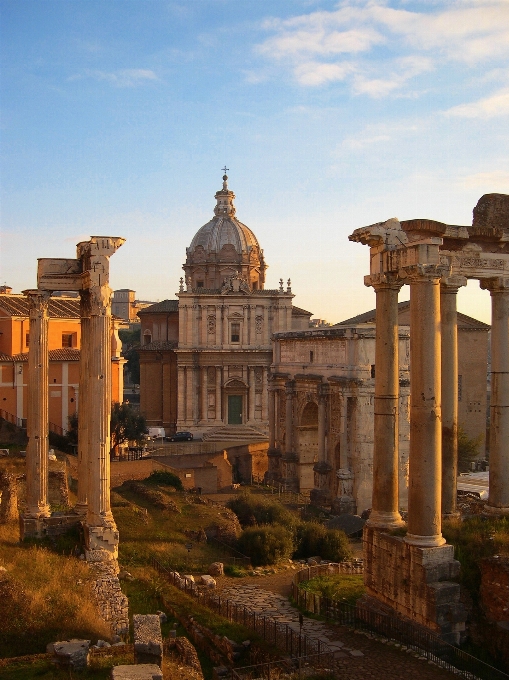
<point x="407" y="634"/>
<point x="280" y="635"/>
<point x="11" y="418"/>
<point x="237" y="559"/>
<point x="295" y="668"/>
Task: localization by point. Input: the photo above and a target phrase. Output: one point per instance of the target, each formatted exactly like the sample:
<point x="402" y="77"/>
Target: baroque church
<point x="205" y="357"/>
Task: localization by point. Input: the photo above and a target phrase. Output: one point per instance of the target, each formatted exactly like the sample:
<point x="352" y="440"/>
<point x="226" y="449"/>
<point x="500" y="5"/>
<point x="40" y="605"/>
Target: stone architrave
<point x="498" y="502"/>
<point x="448" y="293"/>
<point x="385" y="510"/>
<point x="37" y="420"/>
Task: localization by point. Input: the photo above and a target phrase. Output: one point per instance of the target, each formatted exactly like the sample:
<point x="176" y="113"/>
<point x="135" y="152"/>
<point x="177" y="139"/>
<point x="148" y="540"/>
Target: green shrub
<point x="265" y="544"/>
<point x="314" y="539"/>
<point x="253" y="510"/>
<point x="344" y="587"/>
<point x="166" y="478"/>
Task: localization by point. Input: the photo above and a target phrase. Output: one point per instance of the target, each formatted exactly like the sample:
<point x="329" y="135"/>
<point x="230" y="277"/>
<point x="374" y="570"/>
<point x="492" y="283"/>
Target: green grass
<point x="341" y="587"/>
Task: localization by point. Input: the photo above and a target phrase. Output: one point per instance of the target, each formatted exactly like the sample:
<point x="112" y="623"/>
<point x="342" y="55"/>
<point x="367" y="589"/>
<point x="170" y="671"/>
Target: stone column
<point x="218" y="325"/>
<point x="266" y="330"/>
<point x="320" y="495"/>
<point x="189" y="394"/>
<point x="101" y="535"/>
<point x="272" y="417"/>
<point x="83" y="416"/>
<point x="498" y="502"/>
<point x="385" y="512"/>
<point x="448" y="292"/>
<point x="196" y="401"/>
<point x="219" y="384"/>
<point x="425" y="473"/>
<point x="289" y="460"/>
<point x="226" y="335"/>
<point x="37" y="403"/>
<point x="252" y="393"/>
<point x="204" y="394"/>
<point x="181" y="391"/>
<point x="265" y="396"/>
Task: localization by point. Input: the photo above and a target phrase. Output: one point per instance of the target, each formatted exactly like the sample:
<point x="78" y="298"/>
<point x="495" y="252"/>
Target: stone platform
<point x="415" y="582"/>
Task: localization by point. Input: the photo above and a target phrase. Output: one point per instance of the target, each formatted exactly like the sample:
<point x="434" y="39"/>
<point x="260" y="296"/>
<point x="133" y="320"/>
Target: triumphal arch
<point x="412" y="574"/>
<point x="88" y="274"/>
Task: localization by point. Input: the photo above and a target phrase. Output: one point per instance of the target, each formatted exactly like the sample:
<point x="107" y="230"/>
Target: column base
<point x="451" y="515"/>
<point x="492" y="511"/>
<point x="425" y="541"/>
<point x="379" y="519"/>
<point x="101" y="543"/>
<point x="81" y="509"/>
<point x="52" y="525"/>
<point x="344" y="505"/>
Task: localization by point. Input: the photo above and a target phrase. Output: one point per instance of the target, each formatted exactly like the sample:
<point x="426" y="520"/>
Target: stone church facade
<point x="217" y="336"/>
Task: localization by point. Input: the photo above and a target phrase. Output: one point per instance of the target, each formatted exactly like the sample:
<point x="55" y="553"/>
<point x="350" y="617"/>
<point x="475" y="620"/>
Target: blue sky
<point x="117" y="116"/>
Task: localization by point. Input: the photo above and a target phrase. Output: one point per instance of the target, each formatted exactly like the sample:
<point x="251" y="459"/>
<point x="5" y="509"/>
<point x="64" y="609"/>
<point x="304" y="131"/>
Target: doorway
<point x="234" y="409"/>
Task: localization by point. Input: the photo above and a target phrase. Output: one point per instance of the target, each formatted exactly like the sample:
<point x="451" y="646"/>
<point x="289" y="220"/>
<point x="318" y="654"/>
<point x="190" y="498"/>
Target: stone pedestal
<point x="415" y="582"/>
<point x="321" y="495"/>
<point x="274" y="472"/>
<point x="344" y="504"/>
<point x="37" y="415"/>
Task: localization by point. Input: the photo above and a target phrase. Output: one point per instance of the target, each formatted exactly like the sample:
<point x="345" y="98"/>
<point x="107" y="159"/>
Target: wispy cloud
<point x="126" y="77"/>
<point x="490" y="182"/>
<point x="495" y="105"/>
<point x="313" y="47"/>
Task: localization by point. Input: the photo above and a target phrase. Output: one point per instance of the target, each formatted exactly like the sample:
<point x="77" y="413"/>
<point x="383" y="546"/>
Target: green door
<point x="234" y="409"/>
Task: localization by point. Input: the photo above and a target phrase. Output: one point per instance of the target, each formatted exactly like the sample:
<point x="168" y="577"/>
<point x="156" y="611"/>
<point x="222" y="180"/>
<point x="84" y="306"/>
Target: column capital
<point x="417" y="273"/>
<point x="100" y="300"/>
<point x="384" y="281"/>
<point x="451" y="284"/>
<point x="38" y="301"/>
<point x="290" y="388"/>
<point x="497" y="284"/>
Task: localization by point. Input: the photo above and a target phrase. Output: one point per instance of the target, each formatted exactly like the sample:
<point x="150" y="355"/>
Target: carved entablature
<point x="476" y="265"/>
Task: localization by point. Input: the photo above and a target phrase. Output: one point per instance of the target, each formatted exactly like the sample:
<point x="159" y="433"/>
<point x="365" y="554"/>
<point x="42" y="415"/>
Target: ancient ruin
<point x="412" y="574"/>
<point x="88" y="274"/>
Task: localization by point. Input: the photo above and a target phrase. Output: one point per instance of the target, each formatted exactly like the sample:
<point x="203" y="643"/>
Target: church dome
<point x="224" y="248"/>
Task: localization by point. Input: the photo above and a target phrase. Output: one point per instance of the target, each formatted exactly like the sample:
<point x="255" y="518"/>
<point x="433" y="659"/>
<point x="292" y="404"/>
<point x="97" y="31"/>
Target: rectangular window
<point x="27" y="339"/>
<point x="311" y="357"/>
<point x="199" y="284"/>
<point x="235" y="332"/>
<point x="69" y="340"/>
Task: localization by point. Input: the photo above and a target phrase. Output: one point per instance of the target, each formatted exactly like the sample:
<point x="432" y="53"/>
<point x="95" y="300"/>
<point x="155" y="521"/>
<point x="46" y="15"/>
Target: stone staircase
<point x="235" y="433"/>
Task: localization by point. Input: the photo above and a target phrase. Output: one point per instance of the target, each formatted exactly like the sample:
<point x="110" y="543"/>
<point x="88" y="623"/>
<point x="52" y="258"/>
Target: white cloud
<point x="488" y="107"/>
<point x="126" y="77"/>
<point x="464" y="31"/>
<point x="356" y="143"/>
<point x="496" y="181"/>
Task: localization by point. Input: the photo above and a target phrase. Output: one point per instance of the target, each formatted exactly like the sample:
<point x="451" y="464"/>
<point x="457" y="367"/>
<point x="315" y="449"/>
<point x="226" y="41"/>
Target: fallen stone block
<point x="148" y="640"/>
<point x="208" y="581"/>
<point x="216" y="569"/>
<point x="72" y="653"/>
<point x="187" y="652"/>
<point x="143" y="671"/>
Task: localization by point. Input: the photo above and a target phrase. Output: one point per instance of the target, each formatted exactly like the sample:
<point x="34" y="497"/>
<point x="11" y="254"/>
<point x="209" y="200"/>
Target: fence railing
<point x="236" y="559"/>
<point x="408" y="634"/>
<point x="297" y="667"/>
<point x="280" y="635"/>
<point x="11" y="418"/>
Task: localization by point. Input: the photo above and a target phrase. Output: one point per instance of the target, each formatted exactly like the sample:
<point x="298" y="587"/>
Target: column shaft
<point x="83" y="416"/>
<point x="385" y="512"/>
<point x="204" y="393"/>
<point x="181" y="391"/>
<point x="498" y="502"/>
<point x="219" y="383"/>
<point x="425" y="473"/>
<point x="265" y="395"/>
<point x="449" y="369"/>
<point x="252" y="392"/>
<point x="272" y="418"/>
<point x="321" y="429"/>
<point x="37" y="402"/>
<point x="289" y="422"/>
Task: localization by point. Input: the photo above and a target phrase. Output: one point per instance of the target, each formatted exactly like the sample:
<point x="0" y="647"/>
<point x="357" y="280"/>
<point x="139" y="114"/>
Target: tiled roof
<point x="59" y="307"/>
<point x="298" y="311"/>
<point x="63" y="354"/>
<point x="370" y="317"/>
<point x="164" y="306"/>
<point x="157" y="346"/>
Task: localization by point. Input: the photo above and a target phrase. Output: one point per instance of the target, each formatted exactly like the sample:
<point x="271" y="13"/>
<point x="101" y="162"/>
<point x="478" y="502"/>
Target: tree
<point x="468" y="449"/>
<point x="130" y="343"/>
<point x="126" y="425"/>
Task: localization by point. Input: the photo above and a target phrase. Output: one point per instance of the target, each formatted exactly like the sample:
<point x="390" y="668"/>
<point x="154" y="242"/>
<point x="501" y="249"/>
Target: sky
<point x="118" y="115"/>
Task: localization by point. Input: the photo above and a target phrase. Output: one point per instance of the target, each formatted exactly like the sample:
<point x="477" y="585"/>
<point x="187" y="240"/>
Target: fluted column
<point x="37" y="402"/>
<point x="83" y="415"/>
<point x="425" y="470"/>
<point x="448" y="294"/>
<point x="385" y="508"/>
<point x="252" y="393"/>
<point x="498" y="502"/>
<point x="219" y="383"/>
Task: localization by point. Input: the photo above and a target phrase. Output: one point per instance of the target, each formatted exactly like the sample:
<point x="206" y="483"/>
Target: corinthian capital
<point x="416" y="273"/>
<point x="38" y="301"/>
<point x="100" y="301"/>
<point x="497" y="284"/>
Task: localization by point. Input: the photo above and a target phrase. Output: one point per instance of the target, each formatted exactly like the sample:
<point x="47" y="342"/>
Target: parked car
<point x="180" y="437"/>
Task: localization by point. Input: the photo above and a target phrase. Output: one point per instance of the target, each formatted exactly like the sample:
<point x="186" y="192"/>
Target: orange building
<point x="64" y="341"/>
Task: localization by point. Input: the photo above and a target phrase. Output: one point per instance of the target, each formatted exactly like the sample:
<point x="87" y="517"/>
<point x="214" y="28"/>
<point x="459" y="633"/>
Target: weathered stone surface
<point x="188" y="654"/>
<point x="144" y="671"/>
<point x="208" y="581"/>
<point x="112" y="603"/>
<point x="491" y="212"/>
<point x="8" y="497"/>
<point x="216" y="569"/>
<point x="495" y="588"/>
<point x="148" y="640"/>
<point x="72" y="653"/>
